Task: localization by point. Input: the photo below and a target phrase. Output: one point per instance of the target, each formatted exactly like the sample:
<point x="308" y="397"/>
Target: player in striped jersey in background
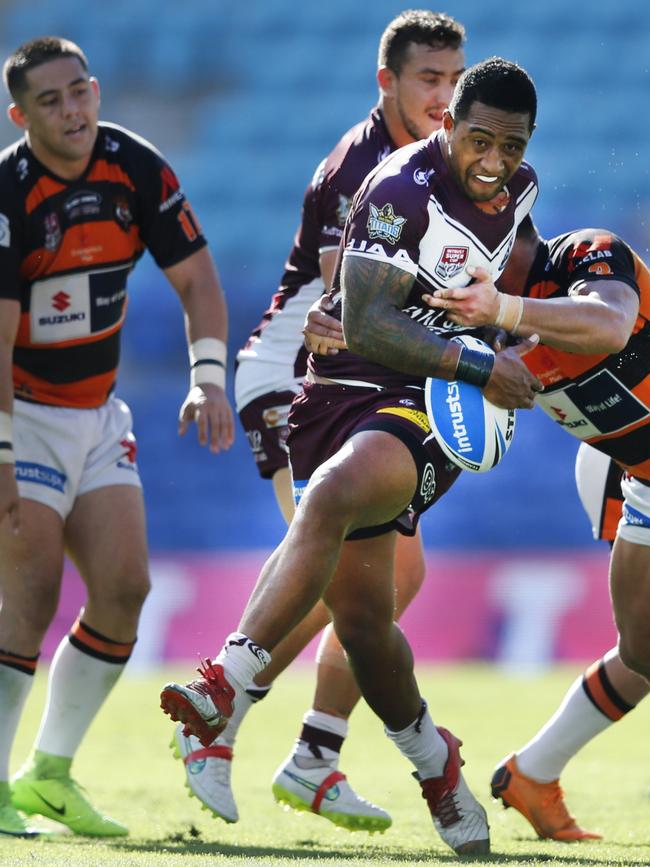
<point x="79" y="203"/>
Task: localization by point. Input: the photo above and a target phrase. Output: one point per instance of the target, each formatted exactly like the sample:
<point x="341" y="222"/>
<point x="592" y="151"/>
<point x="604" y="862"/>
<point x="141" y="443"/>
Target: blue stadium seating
<point x="266" y="89"/>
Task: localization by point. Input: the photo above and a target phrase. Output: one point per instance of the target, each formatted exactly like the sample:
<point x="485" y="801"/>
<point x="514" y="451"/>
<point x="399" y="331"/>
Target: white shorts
<point x="592" y="469"/>
<point x="634" y="526"/>
<point x="62" y="453"/>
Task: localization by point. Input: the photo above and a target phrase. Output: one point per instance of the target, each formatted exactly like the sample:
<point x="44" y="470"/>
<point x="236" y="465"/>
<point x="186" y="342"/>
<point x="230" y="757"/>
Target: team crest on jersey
<point x="452" y="260"/>
<point x="385" y="223"/>
<point x="343" y="209"/>
<point x="123" y="215"/>
<point x="52" y="232"/>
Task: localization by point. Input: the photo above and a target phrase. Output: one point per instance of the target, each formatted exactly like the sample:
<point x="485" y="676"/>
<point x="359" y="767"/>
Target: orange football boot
<point x="541" y="803"/>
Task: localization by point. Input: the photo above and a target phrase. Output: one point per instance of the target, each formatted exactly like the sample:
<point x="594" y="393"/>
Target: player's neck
<point x="396" y="130"/>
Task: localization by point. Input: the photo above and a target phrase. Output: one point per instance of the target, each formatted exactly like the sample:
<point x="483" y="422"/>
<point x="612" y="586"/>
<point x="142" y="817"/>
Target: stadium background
<point x="245" y="100"/>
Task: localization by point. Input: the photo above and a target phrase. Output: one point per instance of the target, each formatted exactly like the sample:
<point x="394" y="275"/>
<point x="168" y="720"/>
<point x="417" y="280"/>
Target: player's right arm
<point x="9" y="500"/>
<point x="376" y="328"/>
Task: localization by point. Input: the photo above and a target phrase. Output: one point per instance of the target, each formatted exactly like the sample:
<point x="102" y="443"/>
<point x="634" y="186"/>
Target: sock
<point x="16" y="679"/>
<point x="244" y="702"/>
<point x="84" y="670"/>
<point x="422" y="743"/>
<point x="320" y="740"/>
<point x="242" y="659"/>
<point x="590" y="706"/>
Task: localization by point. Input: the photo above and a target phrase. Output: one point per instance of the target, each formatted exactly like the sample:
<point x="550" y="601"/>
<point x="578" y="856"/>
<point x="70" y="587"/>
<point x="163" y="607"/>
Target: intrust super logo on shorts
<point x="39" y="474"/>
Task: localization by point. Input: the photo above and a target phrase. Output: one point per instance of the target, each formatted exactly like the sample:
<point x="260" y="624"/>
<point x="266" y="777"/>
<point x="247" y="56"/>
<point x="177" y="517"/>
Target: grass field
<point x="127" y="767"/>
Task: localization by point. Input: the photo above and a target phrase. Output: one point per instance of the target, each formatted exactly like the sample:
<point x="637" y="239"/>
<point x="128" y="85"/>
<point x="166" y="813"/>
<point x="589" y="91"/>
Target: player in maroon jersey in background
<point x="587" y="295"/>
<point x="79" y="203"/>
<point x="363" y="460"/>
<point x="420" y="60"/>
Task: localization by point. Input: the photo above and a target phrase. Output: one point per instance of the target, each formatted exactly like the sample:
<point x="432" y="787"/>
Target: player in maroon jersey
<point x="79" y="204"/>
<point x="587" y="295"/>
<point x="380" y="468"/>
<point x="420" y="60"/>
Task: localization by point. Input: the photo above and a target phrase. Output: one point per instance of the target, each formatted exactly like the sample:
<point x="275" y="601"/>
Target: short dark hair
<point x="422" y="27"/>
<point x="32" y="54"/>
<point x="498" y="83"/>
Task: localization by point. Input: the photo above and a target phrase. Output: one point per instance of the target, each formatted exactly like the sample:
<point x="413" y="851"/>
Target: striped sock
<point x="84" y="670"/>
<point x="16" y="679"/>
<point x="590" y="706"/>
<point x="600" y="692"/>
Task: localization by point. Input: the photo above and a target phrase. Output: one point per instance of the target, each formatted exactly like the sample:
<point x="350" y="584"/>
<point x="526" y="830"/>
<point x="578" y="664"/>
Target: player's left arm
<point x="596" y="317"/>
<point x="197" y="283"/>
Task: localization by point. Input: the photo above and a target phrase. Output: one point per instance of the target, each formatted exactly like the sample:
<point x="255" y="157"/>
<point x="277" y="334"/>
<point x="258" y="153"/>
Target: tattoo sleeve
<point x="375" y="326"/>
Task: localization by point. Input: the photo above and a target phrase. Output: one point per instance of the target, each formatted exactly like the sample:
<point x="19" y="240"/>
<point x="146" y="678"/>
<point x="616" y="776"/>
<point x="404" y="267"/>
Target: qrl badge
<point x="385" y="224"/>
<point x="452" y="260"/>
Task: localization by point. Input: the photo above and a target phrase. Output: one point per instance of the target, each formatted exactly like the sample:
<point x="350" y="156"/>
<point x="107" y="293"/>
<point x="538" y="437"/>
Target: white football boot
<point x="207" y="774"/>
<point x="458" y="817"/>
<point x="326" y="792"/>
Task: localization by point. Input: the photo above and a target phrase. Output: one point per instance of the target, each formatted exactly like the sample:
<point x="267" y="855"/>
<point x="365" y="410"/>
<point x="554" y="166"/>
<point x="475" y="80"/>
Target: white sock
<point x="573" y="725"/>
<point x="14" y="689"/>
<point x="243" y="703"/>
<point x="242" y="659"/>
<point x="422" y="743"/>
<point x="78" y="686"/>
<point x="321" y="733"/>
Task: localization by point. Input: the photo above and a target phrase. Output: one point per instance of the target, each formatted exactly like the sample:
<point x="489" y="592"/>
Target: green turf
<point x="129" y="771"/>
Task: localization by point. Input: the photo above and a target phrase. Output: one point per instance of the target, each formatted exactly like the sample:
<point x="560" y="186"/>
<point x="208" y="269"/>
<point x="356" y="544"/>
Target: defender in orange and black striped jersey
<point x="79" y="203"/>
<point x="66" y="251"/>
<point x="587" y="295"/>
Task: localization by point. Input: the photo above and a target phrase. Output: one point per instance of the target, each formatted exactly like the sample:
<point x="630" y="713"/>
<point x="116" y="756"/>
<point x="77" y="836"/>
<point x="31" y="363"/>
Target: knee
<point x="361" y="632"/>
<point x="125" y="593"/>
<point x="634" y="650"/>
<point x="35" y="618"/>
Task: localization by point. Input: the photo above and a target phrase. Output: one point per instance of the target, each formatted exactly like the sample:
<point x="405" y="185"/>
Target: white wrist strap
<point x="6" y="439"/>
<point x="208" y="357"/>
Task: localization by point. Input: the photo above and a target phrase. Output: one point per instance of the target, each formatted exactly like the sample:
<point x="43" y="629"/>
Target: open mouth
<point x="487" y="179"/>
<point x="77" y="130"/>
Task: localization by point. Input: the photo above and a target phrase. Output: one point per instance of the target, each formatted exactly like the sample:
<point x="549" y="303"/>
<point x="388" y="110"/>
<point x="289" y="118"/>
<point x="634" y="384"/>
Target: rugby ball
<point x="472" y="432"/>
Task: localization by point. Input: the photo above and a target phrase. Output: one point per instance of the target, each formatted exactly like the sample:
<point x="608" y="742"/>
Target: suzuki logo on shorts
<point x="61" y="301"/>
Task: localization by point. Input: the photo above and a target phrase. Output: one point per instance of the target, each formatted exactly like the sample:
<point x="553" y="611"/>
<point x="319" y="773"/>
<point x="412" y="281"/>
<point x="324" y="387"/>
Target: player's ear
<point x="386" y="80"/>
<point x="17" y="116"/>
<point x="448" y="122"/>
<point x="95" y="86"/>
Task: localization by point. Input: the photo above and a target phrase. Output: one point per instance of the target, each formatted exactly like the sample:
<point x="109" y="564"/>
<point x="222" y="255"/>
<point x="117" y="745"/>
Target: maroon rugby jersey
<point x="602" y="399"/>
<point x="410" y="213"/>
<point x="66" y="249"/>
<point x="278" y="338"/>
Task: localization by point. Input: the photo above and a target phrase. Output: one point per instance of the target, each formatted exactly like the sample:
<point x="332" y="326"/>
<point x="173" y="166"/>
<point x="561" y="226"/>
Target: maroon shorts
<point x="265" y="421"/>
<point x="324" y="417"/>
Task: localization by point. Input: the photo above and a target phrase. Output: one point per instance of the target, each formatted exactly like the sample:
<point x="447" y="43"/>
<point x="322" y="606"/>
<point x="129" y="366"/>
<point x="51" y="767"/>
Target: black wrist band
<point x="474" y="366"/>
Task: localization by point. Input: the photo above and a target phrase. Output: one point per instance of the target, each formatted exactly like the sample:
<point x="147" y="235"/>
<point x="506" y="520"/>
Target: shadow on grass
<point x="313" y="850"/>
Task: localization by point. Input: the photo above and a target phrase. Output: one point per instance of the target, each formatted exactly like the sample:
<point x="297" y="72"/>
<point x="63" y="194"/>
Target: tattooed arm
<point x="375" y="327"/>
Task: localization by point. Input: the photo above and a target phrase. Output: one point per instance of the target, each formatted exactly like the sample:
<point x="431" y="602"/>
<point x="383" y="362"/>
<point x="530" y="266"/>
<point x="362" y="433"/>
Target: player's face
<point x="59" y="114"/>
<point x="422" y="90"/>
<point x="485" y="149"/>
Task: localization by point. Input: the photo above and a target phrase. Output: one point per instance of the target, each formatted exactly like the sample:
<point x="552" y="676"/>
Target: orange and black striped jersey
<point x="602" y="399"/>
<point x="66" y="250"/>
